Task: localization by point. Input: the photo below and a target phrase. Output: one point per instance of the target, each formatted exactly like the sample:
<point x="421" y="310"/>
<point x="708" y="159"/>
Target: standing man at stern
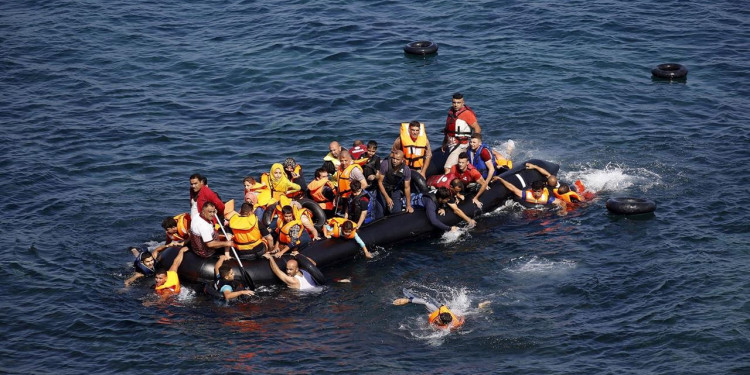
<point x="459" y="125"/>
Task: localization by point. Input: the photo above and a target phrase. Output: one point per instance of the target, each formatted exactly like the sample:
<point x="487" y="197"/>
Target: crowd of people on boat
<point x="282" y="213"/>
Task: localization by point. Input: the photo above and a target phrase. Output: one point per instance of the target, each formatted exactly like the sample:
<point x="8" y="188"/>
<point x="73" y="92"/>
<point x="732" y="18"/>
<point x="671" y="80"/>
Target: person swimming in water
<point x="440" y="316"/>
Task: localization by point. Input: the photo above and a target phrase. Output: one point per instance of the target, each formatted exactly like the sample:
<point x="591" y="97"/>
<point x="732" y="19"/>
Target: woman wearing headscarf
<point x="277" y="181"/>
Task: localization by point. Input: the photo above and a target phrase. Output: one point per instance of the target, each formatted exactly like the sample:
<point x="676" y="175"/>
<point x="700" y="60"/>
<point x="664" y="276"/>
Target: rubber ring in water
<point x="422" y="47"/>
<point x="670" y="71"/>
<point x="630" y="206"/>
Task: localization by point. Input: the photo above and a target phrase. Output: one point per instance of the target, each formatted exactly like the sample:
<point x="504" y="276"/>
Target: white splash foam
<point x="536" y="265"/>
<point x="614" y="178"/>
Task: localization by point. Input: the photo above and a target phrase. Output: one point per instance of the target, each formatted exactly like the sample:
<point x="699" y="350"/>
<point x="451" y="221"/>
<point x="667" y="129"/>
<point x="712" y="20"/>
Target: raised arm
<point x="178" y="260"/>
<point x="510" y="187"/>
<point x="288" y="280"/>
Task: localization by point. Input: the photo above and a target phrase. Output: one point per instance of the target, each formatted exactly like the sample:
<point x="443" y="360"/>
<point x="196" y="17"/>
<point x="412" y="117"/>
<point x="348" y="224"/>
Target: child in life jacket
<point x="225" y="284"/>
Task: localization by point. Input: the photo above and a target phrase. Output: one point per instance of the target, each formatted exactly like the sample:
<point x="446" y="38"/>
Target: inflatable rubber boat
<point x="384" y="231"/>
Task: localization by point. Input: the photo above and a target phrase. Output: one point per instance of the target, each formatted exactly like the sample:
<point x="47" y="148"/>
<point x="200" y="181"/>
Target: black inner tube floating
<point x="422" y="47"/>
<point x="630" y="206"/>
<point x="670" y="71"/>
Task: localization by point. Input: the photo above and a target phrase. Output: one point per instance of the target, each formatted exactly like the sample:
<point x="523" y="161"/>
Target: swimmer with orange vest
<point x="440" y="316"/>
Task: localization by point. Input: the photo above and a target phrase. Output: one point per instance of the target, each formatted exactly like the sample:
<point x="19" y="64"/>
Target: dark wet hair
<point x="145" y="255"/>
<point x="160" y="271"/>
<point x="456" y="182"/>
<point x="355" y="185"/>
<point x="445" y="318"/>
<point x="320" y="171"/>
<point x="442" y="193"/>
<point x="414" y="123"/>
<point x="329" y="166"/>
<point x="458" y="95"/>
<point x="463" y="155"/>
<point x="224" y="270"/>
<point x="347" y="226"/>
<point x="372" y="144"/>
<point x="537" y="185"/>
<point x="168" y="222"/>
<point x="564" y="188"/>
<point x="287" y="210"/>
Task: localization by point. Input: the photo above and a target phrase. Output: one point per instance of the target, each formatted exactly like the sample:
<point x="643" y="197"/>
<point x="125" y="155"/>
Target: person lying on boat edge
<point x="224" y="282"/>
<point x="338" y="227"/>
<point x="433" y="203"/>
<point x="537" y="194"/>
<point x="294" y="277"/>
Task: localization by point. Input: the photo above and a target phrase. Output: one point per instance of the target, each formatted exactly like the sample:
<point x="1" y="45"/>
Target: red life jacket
<point x="462" y="135"/>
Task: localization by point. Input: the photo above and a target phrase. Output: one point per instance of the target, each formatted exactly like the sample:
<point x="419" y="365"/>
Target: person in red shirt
<point x="200" y="193"/>
<point x="469" y="175"/>
<point x="459" y="125"/>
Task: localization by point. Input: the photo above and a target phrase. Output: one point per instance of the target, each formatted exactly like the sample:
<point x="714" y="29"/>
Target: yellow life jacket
<point x="434" y="318"/>
<point x="414" y="150"/>
<point x="502" y="162"/>
<point x="542" y="200"/>
<point x="246" y="232"/>
<point x="344" y="189"/>
<point x="336" y="223"/>
<point x="316" y="192"/>
<point x="171" y="286"/>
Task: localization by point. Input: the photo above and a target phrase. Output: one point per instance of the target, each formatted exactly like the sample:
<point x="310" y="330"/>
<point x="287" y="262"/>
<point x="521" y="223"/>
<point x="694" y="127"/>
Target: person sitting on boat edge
<point x="440" y="316"/>
<point x="200" y="193"/>
<point x="339" y="227"/>
<point x="249" y="238"/>
<point x="394" y="182"/>
<point x="459" y="124"/>
<point x="143" y="265"/>
<point x="276" y="180"/>
<point x="538" y="194"/>
<point x="481" y="157"/>
<point x="322" y="191"/>
<point x="204" y="239"/>
<point x="295" y="230"/>
<point x="362" y="207"/>
<point x="294" y="277"/>
<point x="225" y="284"/>
<point x="414" y="144"/>
<point x="470" y="177"/>
<point x="167" y="281"/>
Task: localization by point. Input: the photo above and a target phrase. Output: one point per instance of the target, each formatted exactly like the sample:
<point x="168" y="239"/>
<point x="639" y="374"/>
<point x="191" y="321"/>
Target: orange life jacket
<point x="246" y="232"/>
<point x="296" y="211"/>
<point x="542" y="200"/>
<point x="434" y="318"/>
<point x="183" y="228"/>
<point x="336" y="223"/>
<point x="171" y="286"/>
<point x="344" y="189"/>
<point x="568" y="197"/>
<point x="284" y="233"/>
<point x="414" y="150"/>
<point x="316" y="192"/>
